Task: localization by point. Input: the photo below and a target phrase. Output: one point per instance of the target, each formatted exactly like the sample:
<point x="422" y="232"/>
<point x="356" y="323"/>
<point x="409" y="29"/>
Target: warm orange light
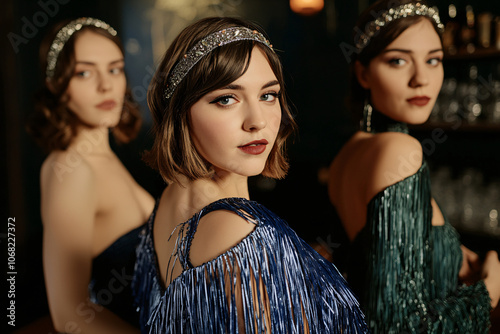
<point x="307" y="7"/>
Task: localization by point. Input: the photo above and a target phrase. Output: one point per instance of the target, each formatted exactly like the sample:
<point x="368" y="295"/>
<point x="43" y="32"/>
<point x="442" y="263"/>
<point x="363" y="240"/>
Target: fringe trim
<point x="271" y="282"/>
<point x="412" y="280"/>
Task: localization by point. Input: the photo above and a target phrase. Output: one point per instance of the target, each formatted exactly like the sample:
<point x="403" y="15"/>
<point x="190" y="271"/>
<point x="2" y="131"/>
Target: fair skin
<point x="223" y="123"/>
<point x="404" y="82"/>
<point x="89" y="199"/>
<point x="234" y="128"/>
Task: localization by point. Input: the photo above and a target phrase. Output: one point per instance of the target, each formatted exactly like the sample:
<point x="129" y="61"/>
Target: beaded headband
<point x="393" y="14"/>
<point x="207" y="45"/>
<point x="65" y="34"/>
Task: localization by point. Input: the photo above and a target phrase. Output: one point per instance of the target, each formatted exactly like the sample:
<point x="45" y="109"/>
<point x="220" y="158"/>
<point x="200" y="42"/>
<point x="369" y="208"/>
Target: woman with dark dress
<point x="211" y="260"/>
<point x="92" y="209"/>
<point x="407" y="261"/>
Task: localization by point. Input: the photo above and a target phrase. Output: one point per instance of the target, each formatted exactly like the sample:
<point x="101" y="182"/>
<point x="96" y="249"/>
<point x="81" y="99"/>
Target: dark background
<point x="317" y="83"/>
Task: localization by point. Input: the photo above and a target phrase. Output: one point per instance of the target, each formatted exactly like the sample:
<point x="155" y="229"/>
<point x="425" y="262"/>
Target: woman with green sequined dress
<point x="407" y="264"/>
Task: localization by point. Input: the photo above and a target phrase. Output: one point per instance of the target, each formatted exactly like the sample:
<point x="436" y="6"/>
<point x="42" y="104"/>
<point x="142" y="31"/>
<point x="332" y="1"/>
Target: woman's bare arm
<point x="69" y="206"/>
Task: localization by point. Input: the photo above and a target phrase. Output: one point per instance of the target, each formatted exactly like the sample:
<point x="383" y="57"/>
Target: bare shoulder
<point x="395" y="156"/>
<point x="217" y="232"/>
<point x="64" y="168"/>
<point x="392" y="140"/>
<point x="395" y="150"/>
<point x="67" y="185"/>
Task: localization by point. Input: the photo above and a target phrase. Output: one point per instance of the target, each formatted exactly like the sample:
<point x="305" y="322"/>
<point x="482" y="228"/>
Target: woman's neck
<point x="192" y="196"/>
<point x="92" y="141"/>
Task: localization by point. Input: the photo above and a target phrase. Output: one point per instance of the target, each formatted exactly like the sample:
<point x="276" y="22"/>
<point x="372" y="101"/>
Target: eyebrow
<point x="93" y="64"/>
<point x="239" y="87"/>
<point x="410" y="51"/>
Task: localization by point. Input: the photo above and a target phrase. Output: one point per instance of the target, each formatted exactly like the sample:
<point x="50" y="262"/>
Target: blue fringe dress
<point x="284" y="286"/>
<point x="405" y="270"/>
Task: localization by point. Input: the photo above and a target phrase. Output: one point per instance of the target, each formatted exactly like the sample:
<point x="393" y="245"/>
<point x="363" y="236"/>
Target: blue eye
<point x="225" y="100"/>
<point x="269" y="97"/>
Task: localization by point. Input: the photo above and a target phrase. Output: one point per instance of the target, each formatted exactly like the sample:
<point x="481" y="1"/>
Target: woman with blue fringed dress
<point x="211" y="260"/>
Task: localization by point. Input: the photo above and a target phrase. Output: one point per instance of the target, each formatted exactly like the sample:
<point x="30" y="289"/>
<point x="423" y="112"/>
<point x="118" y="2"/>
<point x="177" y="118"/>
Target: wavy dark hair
<point x="173" y="152"/>
<point x="384" y="37"/>
<point x="53" y="124"/>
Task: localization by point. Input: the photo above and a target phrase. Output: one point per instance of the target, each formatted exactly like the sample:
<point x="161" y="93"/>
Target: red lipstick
<point x="106" y="105"/>
<point x="255" y="147"/>
<point x="419" y="100"/>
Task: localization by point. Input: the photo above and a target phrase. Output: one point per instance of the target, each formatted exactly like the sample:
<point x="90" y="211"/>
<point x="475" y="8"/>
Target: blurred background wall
<point x="465" y="164"/>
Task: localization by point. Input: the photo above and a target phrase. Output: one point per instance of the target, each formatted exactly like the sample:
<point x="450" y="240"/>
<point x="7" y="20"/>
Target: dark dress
<point x="405" y="270"/>
<point x="271" y="269"/>
<point x="112" y="273"/>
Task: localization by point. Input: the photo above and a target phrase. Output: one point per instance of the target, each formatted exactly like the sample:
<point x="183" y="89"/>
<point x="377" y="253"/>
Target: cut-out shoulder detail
<point x="213" y="219"/>
<point x="217" y="232"/>
<point x="216" y="216"/>
<point x="190" y="266"/>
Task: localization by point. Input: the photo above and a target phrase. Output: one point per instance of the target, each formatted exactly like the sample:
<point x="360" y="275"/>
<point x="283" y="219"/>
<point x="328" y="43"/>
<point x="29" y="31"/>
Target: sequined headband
<point x="65" y="34"/>
<point x="207" y="45"/>
<point x="386" y="17"/>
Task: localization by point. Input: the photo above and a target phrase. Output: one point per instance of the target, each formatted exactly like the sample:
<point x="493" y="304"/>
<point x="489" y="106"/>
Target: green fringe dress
<point x="405" y="270"/>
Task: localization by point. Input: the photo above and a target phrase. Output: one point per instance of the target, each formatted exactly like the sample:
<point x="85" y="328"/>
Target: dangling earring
<point x="367" y="117"/>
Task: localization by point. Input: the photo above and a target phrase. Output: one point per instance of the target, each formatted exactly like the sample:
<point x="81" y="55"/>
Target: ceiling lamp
<point x="307" y="7"/>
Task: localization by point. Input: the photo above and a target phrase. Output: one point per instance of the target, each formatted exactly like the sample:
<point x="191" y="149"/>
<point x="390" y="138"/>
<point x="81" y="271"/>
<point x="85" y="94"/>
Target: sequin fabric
<point x="406" y="271"/>
<point x="270" y="282"/>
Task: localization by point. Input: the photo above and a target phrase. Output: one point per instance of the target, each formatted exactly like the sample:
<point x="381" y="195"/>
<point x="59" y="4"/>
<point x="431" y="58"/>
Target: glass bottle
<point x="451" y="31"/>
<point x="468" y="32"/>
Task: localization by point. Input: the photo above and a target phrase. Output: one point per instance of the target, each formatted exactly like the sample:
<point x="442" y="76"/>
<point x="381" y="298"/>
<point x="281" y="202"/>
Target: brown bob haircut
<point x="173" y="152"/>
<point x="53" y="124"/>
<point x="377" y="44"/>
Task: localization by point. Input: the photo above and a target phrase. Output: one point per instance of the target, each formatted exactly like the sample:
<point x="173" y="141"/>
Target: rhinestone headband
<point x="207" y="45"/>
<point x="393" y="14"/>
<point x="65" y="34"/>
